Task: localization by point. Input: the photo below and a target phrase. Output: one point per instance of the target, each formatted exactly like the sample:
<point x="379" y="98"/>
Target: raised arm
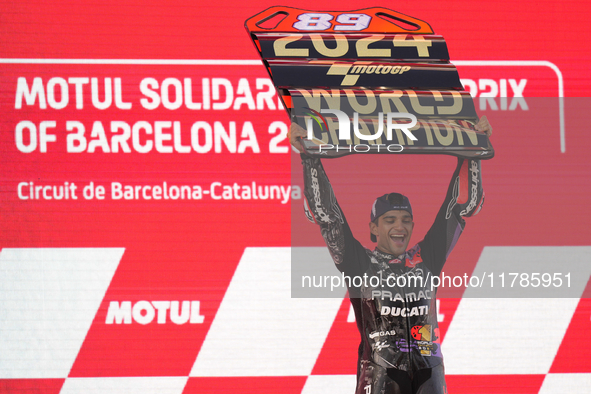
<point x="321" y="207"/>
<point x="464" y="198"/>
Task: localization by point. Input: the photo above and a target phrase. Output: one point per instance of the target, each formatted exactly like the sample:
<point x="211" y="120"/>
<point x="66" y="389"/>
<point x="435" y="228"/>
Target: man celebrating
<point x="400" y="344"/>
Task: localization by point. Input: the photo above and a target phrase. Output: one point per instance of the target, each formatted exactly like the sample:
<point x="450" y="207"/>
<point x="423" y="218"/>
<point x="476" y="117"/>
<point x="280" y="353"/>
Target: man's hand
<point x="483" y="125"/>
<point x="294" y="132"/>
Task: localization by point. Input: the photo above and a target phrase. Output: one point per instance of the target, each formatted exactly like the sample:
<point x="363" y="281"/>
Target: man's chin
<point x="397" y="250"/>
<point x="393" y="249"/>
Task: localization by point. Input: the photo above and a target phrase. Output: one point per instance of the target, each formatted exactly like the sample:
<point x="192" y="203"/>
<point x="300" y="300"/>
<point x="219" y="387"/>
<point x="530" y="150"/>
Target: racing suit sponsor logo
<point x="427" y="348"/>
<point x="413" y="257"/>
<point x="454" y="198"/>
<point x="421" y="333"/>
<point x="308" y="213"/>
<point x="425" y="336"/>
<point x="404" y="312"/>
<point x="317" y="201"/>
<point x="474" y="191"/>
<point x="422" y="295"/>
<point x="380" y="345"/>
<point x="377" y="334"/>
<point x="408" y="297"/>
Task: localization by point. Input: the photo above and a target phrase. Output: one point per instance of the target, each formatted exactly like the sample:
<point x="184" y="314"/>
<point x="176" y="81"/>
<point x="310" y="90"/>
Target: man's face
<point x="393" y="231"/>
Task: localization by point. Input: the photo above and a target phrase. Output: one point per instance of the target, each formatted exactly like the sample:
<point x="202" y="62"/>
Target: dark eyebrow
<point x="404" y="216"/>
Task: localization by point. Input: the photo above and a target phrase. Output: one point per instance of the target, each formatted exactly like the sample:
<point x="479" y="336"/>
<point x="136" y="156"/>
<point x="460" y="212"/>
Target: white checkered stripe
<point x="50" y="297"/>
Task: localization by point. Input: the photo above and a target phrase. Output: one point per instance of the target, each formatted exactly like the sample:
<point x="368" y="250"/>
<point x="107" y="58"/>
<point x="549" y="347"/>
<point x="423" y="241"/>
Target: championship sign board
<point x="367" y="81"/>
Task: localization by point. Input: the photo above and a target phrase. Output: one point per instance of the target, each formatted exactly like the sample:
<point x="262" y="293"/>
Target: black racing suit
<point x="400" y="350"/>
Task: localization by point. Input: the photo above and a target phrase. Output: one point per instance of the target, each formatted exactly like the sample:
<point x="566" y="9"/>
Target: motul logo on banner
<point x="144" y="312"/>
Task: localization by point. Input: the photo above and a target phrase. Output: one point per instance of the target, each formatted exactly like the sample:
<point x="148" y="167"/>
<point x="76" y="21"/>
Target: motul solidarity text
<point x="142" y="136"/>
